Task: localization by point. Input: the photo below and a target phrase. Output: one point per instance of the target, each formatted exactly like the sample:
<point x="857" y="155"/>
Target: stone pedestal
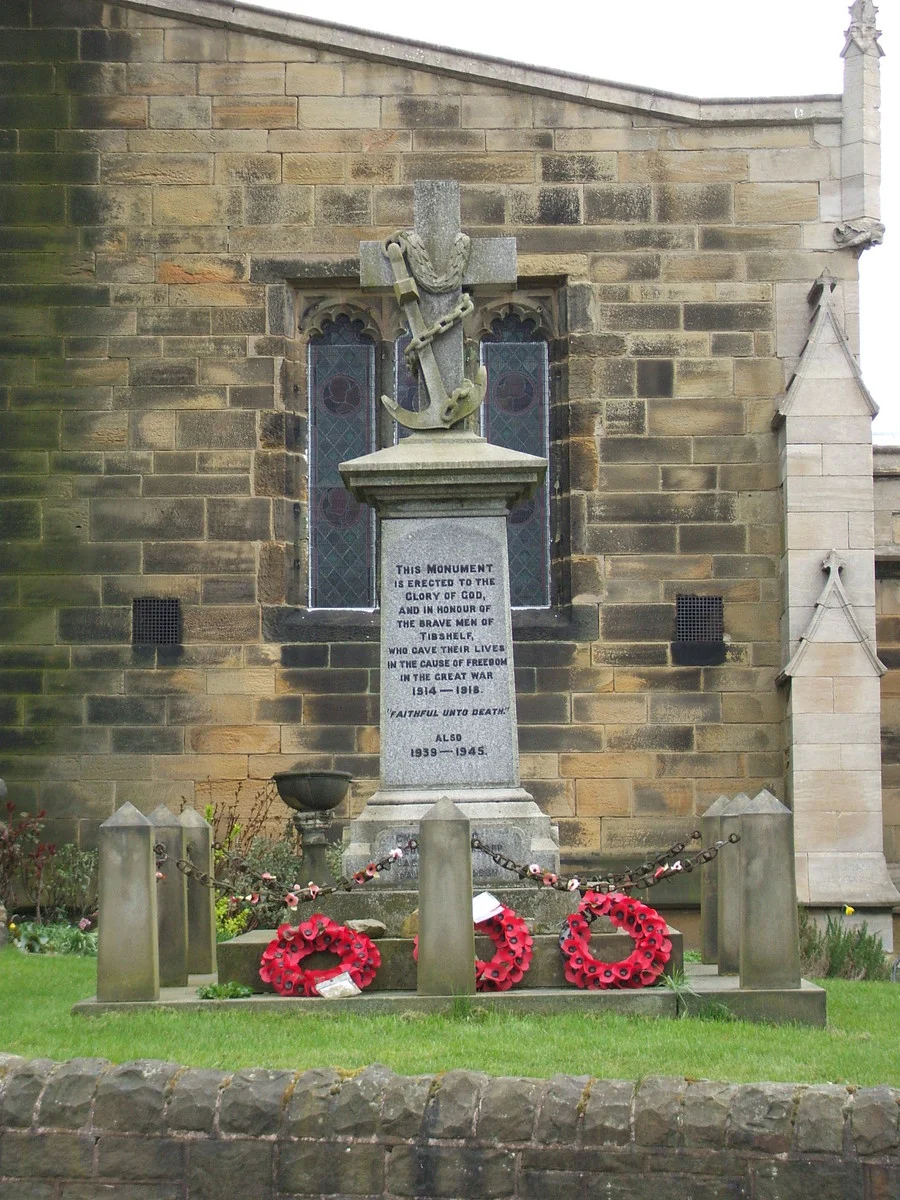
<point x="448" y="703"/>
<point x="729" y="889"/>
<point x="171" y="900"/>
<point x="201" y="900"/>
<point x="711" y="830"/>
<point x="446" y="933"/>
<point x="313" y="828"/>
<point x="770" y="939"/>
<point x="127" y="954"/>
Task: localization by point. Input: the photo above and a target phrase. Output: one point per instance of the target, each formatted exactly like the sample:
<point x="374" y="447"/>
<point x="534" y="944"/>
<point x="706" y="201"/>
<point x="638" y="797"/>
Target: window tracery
<point x="355" y="351"/>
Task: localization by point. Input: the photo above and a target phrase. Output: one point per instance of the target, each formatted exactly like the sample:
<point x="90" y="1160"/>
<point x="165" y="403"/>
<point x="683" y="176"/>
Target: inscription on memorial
<point x="501" y="839"/>
<point x="447" y="691"/>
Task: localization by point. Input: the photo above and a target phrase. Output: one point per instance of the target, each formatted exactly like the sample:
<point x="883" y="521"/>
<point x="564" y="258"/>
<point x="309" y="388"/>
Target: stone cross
<point x="427" y="269"/>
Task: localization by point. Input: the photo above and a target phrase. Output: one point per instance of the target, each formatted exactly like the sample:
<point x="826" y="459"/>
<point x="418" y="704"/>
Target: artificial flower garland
<point x="280" y="965"/>
<point x="652" y="949"/>
<point x="512" y="958"/>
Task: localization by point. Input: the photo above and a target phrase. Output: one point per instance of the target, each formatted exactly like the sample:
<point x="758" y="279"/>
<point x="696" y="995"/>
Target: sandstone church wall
<point x="175" y="197"/>
<point x="157" y="1129"/>
<point x="887" y="593"/>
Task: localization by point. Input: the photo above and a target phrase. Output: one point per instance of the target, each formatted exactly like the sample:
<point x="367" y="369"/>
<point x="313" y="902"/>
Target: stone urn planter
<point x="312" y="795"/>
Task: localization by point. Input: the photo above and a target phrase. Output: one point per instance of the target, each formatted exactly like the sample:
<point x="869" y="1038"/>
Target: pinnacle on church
<point x="863" y="12"/>
<point x="824" y="284"/>
<point x="862" y="32"/>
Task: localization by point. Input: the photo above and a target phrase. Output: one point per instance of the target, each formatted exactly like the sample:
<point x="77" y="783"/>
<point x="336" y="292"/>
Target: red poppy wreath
<point x="645" y="963"/>
<point x="512" y="957"/>
<point x="280" y="965"/>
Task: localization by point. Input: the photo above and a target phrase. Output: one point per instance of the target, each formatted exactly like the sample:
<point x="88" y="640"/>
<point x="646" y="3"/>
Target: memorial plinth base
<point x="545" y="909"/>
<point x="239" y="959"/>
<point x="505" y="820"/>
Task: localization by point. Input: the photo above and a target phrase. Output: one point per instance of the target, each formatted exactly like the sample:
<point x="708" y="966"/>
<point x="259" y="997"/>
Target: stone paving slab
<point x="805" y="1005"/>
<point x="649" y="1002"/>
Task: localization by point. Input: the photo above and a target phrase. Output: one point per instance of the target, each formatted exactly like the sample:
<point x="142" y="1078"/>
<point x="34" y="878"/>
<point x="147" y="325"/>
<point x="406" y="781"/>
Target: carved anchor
<point x="443" y="410"/>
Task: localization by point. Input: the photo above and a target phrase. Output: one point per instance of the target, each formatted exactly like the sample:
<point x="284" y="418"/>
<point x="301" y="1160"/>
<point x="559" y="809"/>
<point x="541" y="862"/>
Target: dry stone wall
<point x="154" y="1129"/>
<point x="172" y="196"/>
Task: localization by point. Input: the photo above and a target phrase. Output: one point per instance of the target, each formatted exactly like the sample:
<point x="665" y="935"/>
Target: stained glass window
<point x="515" y="414"/>
<point x="406" y="385"/>
<point x="341" y="426"/>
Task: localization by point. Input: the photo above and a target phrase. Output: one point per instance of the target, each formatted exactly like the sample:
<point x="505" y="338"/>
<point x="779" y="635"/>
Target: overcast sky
<point x="698" y="48"/>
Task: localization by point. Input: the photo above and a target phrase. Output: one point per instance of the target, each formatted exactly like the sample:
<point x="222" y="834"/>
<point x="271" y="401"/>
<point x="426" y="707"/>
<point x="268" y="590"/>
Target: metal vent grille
<point x="155" y="621"/>
<point x="699" y="619"/>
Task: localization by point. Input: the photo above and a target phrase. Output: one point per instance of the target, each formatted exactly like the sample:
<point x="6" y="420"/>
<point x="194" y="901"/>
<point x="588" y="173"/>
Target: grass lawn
<point x="859" y="1046"/>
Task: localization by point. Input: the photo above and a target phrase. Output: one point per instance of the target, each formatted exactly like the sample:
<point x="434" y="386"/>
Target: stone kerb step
<point x="239" y="959"/>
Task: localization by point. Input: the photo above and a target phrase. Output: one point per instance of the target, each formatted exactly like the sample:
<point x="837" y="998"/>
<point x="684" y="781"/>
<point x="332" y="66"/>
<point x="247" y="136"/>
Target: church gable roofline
<point x="479" y="68"/>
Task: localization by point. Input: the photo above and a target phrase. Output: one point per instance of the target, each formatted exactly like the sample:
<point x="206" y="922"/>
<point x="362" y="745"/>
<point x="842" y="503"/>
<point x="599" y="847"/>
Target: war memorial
<point x="478" y="455"/>
<point x="200" y="316"/>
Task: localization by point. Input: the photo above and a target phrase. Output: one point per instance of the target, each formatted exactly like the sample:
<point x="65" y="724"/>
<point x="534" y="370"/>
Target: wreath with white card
<point x="358" y="957"/>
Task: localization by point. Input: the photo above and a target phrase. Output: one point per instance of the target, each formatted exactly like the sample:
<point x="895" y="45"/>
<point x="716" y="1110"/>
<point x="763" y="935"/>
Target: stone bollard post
<point x="128" y="955"/>
<point x="171" y="900"/>
<point x="770" y="936"/>
<point x="201" y="900"/>
<point x="729" y="889"/>
<point x="446" y="932"/>
<point x="711" y="829"/>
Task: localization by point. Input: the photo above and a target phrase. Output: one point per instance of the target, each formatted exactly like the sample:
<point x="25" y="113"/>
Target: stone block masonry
<point x="175" y="197"/>
<point x="887" y="619"/>
<point x="151" y="1128"/>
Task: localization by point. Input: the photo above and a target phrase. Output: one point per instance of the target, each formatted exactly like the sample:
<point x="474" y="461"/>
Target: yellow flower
<point x="849" y="910"/>
<point x="12" y="927"/>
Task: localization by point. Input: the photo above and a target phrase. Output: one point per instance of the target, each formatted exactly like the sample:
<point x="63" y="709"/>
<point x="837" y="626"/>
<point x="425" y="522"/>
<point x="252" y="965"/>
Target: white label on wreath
<point x="338" y="987"/>
<point x="485" y="906"/>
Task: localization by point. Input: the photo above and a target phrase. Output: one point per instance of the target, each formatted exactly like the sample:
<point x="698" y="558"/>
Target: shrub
<point x="230" y="920"/>
<point x="224" y="991"/>
<point x="839" y="951"/>
<point x="243" y="849"/>
<point x="23" y="856"/>
<point x="278" y="857"/>
<point x="334" y="856"/>
<point x="235" y="833"/>
<point x="60" y="938"/>
<point x="30" y="938"/>
<point x="71" y="883"/>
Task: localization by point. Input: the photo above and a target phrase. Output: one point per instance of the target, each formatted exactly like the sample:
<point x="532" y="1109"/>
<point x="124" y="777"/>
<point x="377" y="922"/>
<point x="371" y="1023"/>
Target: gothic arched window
<point x="516" y="415"/>
<point x="342" y="389"/>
